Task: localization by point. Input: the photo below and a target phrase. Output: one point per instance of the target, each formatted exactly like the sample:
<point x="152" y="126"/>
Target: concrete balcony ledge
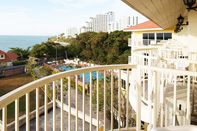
<point x="177" y="128"/>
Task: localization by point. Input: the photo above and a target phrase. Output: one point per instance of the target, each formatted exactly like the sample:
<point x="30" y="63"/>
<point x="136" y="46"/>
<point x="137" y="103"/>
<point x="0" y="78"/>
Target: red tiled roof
<point x="9" y="56"/>
<point x="12" y="56"/>
<point x="2" y="52"/>
<point x="143" y="26"/>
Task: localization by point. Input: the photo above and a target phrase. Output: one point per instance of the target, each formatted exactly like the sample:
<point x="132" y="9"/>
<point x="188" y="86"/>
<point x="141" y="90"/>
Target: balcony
<point x="150" y="92"/>
<point x="74" y="100"/>
<point x="146" y="43"/>
<point x="58" y="92"/>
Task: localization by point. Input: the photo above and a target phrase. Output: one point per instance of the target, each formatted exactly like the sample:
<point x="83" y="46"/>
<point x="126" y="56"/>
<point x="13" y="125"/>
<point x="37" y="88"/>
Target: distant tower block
<point x="136" y="20"/>
<point x="133" y="20"/>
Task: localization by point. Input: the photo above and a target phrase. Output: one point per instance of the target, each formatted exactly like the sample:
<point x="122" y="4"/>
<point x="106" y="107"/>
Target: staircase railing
<point x="167" y="89"/>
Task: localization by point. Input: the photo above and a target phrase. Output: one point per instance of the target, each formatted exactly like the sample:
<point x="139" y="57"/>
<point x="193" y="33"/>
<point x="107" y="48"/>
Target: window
<point x="1" y="56"/>
<point x="145" y="59"/>
<point x="151" y="36"/>
<point x="147" y="37"/>
<point x="167" y="36"/>
<point x="159" y="37"/>
<point x="163" y="36"/>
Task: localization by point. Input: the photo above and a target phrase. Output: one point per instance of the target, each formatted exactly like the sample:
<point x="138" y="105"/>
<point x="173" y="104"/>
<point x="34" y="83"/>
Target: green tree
<point x="100" y="48"/>
<point x="48" y="50"/>
<point x="22" y="53"/>
<point x="40" y="50"/>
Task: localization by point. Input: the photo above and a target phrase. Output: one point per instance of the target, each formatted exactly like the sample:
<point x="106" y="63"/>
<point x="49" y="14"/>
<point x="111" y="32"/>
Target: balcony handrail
<point x="163" y="58"/>
<point x="50" y="82"/>
<point x="147" y="57"/>
<point x="170" y="71"/>
<point x="21" y="91"/>
<point x="142" y="48"/>
<point x="136" y="87"/>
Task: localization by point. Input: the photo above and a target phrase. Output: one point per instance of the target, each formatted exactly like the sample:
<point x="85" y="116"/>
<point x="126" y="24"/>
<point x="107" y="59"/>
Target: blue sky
<point x="52" y="17"/>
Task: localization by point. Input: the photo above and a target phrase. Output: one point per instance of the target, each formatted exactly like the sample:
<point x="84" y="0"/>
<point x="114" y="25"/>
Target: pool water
<point x="66" y="68"/>
<point x="87" y="75"/>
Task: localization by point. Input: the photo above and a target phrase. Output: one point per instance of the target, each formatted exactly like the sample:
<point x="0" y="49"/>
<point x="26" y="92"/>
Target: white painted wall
<point x="188" y="36"/>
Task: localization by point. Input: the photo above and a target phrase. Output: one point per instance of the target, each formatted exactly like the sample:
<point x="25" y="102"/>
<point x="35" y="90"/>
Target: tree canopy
<point x="22" y="53"/>
<point x="48" y="50"/>
<point x="99" y="48"/>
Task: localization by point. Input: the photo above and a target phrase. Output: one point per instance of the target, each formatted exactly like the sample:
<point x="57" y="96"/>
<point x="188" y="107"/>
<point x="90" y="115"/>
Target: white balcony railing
<point x="102" y="81"/>
<point x="99" y="99"/>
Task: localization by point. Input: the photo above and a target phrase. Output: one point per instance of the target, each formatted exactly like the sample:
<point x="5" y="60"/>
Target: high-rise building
<point x="107" y="23"/>
<point x="122" y="23"/>
<point x="125" y="22"/>
<point x="100" y="23"/>
<point x="71" y="32"/>
<point x="110" y="16"/>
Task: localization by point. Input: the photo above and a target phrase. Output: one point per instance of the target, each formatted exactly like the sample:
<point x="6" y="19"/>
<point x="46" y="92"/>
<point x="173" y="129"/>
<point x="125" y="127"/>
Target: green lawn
<point x="10" y="83"/>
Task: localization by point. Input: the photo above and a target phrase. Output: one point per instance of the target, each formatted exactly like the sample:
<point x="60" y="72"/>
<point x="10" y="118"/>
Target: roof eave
<point x="125" y="1"/>
<point x="137" y="30"/>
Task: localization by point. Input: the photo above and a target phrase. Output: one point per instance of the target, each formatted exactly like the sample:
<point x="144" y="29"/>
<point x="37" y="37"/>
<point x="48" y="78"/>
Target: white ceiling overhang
<point x="162" y="12"/>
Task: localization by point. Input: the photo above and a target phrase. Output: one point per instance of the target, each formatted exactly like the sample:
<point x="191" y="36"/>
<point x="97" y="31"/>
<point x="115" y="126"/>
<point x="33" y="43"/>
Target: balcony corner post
<point x="138" y="92"/>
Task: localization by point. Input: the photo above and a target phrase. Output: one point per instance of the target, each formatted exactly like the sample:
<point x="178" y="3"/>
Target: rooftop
<point x="148" y="25"/>
<point x="9" y="56"/>
<point x="2" y="52"/>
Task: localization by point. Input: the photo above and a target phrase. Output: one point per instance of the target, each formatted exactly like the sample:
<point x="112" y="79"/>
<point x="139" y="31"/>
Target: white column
<point x="54" y="107"/>
<point x="4" y="119"/>
<point x="45" y="108"/>
<point x="188" y="113"/>
<point x="37" y="110"/>
<point x="149" y="96"/>
<point x="104" y="100"/>
<point x="174" y="101"/>
<point x="17" y="115"/>
<point x="27" y="113"/>
<point x="112" y="89"/>
<point x="62" y="104"/>
<point x="69" y="104"/>
<point x="119" y="97"/>
<point x="138" y="110"/>
<point x="76" y="102"/>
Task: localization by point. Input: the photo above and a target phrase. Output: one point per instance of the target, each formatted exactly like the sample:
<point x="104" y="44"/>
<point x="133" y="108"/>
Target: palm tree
<point x="22" y="53"/>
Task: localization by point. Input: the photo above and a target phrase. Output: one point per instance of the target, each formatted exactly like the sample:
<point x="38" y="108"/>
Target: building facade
<point x="108" y="23"/>
<point x="71" y="32"/>
<point x="6" y="58"/>
<point x="149" y="33"/>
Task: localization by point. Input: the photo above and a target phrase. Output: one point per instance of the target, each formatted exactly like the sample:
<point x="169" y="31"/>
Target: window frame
<point x="155" y="37"/>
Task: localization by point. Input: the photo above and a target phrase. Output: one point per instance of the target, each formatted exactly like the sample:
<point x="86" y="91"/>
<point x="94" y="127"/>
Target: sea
<point x="7" y="41"/>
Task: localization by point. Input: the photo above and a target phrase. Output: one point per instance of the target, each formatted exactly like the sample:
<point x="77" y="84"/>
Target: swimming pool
<point x="87" y="75"/>
<point x="66" y="68"/>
